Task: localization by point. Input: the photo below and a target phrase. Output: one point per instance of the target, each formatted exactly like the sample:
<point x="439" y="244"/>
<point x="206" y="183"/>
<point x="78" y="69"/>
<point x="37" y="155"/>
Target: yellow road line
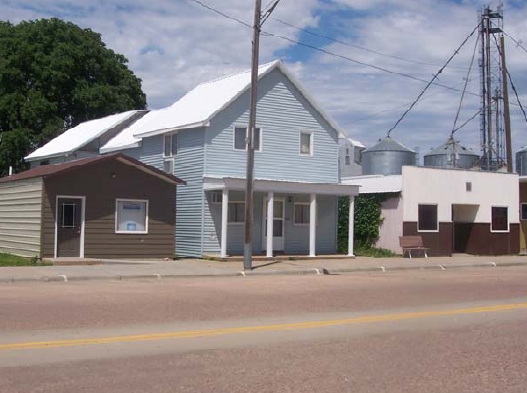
<point x="263" y="328"/>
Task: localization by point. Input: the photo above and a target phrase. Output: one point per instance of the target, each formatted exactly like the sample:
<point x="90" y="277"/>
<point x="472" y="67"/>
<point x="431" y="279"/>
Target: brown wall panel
<point x="477" y="239"/>
<point x="102" y="184"/>
<point x="439" y="243"/>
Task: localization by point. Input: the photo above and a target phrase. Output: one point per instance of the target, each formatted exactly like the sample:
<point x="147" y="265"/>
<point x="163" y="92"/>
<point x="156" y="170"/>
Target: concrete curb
<point x="256" y="273"/>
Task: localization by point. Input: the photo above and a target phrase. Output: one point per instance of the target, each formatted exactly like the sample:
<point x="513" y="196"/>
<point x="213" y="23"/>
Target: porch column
<point x="224" y="219"/>
<point x="270" y="221"/>
<point x="312" y="224"/>
<point x="351" y="226"/>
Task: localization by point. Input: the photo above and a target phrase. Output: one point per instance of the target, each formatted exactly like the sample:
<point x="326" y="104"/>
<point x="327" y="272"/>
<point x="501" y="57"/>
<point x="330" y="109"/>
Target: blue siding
<point x="235" y="231"/>
<point x="296" y="237"/>
<point x="188" y="166"/>
<point x="282" y="113"/>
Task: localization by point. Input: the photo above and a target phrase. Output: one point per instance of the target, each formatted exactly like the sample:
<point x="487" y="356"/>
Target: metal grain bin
<point x="386" y="158"/>
<point x="451" y="155"/>
<point x="521" y="161"/>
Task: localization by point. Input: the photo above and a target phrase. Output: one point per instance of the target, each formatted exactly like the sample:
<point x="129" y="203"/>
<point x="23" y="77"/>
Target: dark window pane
<point x="499" y="219"/>
<point x="305" y="143"/>
<point x="302" y="214"/>
<point x="68" y="215"/>
<point x="236" y="212"/>
<point x="256" y="140"/>
<point x="524" y="211"/>
<point x="239" y="138"/>
<point x="167" y="142"/>
<point x="168" y="166"/>
<point x="277" y="228"/>
<point x="173" y="145"/>
<point x="427" y="218"/>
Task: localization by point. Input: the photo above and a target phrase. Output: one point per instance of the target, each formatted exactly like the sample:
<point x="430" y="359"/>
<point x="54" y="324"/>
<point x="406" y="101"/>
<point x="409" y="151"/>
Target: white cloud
<point x="174" y="45"/>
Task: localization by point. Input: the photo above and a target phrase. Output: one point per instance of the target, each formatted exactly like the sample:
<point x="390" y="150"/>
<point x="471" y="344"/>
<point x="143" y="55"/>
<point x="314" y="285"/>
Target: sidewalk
<point x="122" y="270"/>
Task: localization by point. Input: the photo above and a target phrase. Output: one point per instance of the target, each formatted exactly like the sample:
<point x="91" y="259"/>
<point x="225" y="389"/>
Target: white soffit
<point x="376" y="184"/>
<point x="283" y="186"/>
<point x="79" y="136"/>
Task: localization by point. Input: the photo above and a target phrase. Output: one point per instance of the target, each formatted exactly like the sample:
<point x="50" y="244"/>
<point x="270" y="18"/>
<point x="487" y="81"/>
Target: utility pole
<point x="249" y="189"/>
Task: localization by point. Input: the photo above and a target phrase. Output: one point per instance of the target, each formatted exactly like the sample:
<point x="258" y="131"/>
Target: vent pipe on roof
<point x="10" y="170"/>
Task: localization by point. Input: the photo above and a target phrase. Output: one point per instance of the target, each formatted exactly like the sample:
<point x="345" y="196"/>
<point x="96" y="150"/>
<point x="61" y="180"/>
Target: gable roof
<point x="197" y="107"/>
<point x="75" y="138"/>
<point x="126" y="139"/>
<point x="52" y="170"/>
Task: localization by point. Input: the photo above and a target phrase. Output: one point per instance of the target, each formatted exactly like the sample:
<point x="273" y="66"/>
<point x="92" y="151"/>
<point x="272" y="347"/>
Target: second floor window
<point x="306" y="143"/>
<point x="240" y="136"/>
<point x="170" y="145"/>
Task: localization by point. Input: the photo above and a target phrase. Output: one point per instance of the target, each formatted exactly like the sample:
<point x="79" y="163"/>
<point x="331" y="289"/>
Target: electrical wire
<point x="318" y="49"/>
<point x="464" y="87"/>
<point x="432" y="80"/>
<point x="465" y="123"/>
<point x="395" y="108"/>
<point x="356" y="46"/>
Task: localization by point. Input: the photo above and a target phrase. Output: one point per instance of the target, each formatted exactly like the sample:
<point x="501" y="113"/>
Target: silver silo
<point x="451" y="155"/>
<point x="521" y="161"/>
<point x="386" y="158"/>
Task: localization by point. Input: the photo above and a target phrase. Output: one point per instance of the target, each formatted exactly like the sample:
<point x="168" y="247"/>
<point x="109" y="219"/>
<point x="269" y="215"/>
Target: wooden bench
<point x="411" y="243"/>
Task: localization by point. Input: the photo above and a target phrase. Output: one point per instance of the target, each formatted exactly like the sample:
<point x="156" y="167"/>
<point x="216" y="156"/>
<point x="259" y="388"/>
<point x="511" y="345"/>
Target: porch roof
<point x="284" y="186"/>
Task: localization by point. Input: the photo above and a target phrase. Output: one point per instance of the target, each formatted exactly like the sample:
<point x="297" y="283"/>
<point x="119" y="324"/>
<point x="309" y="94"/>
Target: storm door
<point x="69" y="227"/>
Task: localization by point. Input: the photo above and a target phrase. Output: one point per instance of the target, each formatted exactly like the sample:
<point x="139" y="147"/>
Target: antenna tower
<point x="493" y="134"/>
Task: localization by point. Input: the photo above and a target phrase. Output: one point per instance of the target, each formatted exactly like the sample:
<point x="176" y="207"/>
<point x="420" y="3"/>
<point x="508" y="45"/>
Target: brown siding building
<point x="104" y="207"/>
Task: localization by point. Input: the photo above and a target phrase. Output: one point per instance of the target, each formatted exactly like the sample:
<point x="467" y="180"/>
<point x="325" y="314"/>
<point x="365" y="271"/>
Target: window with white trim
<point x="168" y="165"/>
<point x="427" y="218"/>
<point x="170" y="145"/>
<point x="523" y="211"/>
<point x="236" y="212"/>
<point x="347" y="159"/>
<point x="301" y="213"/>
<point x="217" y="197"/>
<point x="131" y="216"/>
<point x="306" y="143"/>
<point x="240" y="136"/>
<point x="499" y="219"/>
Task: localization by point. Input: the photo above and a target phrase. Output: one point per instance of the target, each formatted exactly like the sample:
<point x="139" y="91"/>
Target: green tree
<point x="53" y="76"/>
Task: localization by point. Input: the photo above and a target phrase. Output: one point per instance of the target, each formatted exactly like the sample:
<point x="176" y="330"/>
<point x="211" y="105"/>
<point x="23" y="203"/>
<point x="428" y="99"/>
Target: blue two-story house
<point x="202" y="139"/>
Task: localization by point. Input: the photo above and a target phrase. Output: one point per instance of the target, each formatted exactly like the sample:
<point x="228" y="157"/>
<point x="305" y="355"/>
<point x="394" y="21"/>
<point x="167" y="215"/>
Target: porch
<point x="290" y="219"/>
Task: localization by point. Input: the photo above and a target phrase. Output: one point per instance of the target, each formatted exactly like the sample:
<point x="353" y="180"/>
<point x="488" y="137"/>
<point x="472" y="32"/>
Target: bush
<point x="367" y="222"/>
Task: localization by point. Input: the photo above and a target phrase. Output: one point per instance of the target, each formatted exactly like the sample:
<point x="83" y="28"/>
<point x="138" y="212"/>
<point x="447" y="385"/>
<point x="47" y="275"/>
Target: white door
<point x="278" y="224"/>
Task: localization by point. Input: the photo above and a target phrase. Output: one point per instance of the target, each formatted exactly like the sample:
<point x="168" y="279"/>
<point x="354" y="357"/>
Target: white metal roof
<point x="200" y="105"/>
<point x="126" y="139"/>
<point x="354" y="142"/>
<point x="376" y="183"/>
<point x="79" y="136"/>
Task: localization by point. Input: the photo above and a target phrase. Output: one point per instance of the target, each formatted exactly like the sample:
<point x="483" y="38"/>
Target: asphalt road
<point x="462" y="331"/>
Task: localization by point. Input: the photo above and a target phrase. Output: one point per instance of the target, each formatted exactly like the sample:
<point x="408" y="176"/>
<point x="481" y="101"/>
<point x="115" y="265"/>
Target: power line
<point x="318" y="49"/>
<point x="357" y="46"/>
<point x="464" y="88"/>
<point x="222" y="13"/>
<point x="395" y="108"/>
<point x="432" y="80"/>
<point x="328" y="52"/>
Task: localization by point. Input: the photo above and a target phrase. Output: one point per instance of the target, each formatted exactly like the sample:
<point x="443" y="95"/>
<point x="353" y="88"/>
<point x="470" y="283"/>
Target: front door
<point x="69" y="227"/>
<point x="278" y="224"/>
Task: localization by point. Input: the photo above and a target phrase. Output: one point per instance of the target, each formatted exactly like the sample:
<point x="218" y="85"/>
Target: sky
<point x="372" y="58"/>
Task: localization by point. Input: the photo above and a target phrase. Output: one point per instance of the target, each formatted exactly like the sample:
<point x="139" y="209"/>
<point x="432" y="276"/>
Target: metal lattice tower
<point x="493" y="143"/>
